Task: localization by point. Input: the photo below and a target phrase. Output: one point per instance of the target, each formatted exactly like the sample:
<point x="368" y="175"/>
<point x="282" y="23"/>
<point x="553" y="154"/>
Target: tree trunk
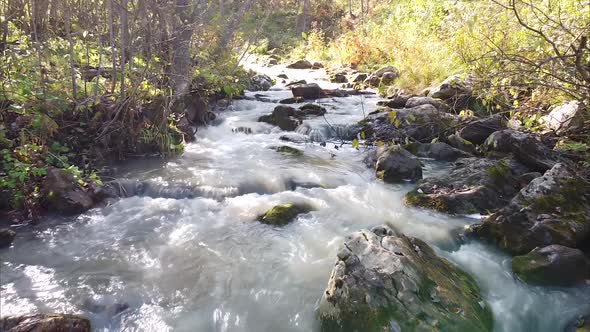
<point x="124" y="42"/>
<point x="112" y="44"/>
<point x="181" y="60"/>
<point x="71" y="49"/>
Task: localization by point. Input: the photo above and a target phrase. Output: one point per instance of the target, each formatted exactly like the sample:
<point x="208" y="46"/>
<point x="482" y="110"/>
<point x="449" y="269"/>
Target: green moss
<point x="414" y="198"/>
<point x="499" y="172"/>
<point x="568" y="199"/>
<point x="288" y="150"/>
<point x="283" y="214"/>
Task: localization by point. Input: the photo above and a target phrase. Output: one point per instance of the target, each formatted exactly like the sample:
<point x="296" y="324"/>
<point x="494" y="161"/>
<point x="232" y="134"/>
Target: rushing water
<point x="205" y="264"/>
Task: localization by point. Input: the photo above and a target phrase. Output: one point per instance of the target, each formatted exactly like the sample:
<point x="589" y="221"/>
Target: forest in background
<point x="89" y="81"/>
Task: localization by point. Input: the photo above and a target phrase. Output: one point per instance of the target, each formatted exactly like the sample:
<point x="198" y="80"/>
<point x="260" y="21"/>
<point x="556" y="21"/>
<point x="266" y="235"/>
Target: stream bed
<point x="206" y="264"/>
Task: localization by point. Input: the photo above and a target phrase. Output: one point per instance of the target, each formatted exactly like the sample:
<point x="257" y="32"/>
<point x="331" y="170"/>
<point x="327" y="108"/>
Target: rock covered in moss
<point x="283" y="117"/>
<point x="45" y="323"/>
<point x="281" y="215"/>
<point x="383" y="281"/>
<point x="420" y="123"/>
<point x="554" y="265"/>
<point x="460" y="143"/>
<point x="288" y="150"/>
<point x="472" y="186"/>
<point x="396" y="164"/>
<point x="6" y="237"/>
<point x="312" y="110"/>
<point x="260" y="82"/>
<point x="552" y="209"/>
<point x="63" y="193"/>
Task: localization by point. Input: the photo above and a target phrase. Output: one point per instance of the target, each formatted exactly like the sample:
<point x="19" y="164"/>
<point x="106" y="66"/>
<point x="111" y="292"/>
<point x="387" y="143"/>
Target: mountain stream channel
<point x="204" y="263"/>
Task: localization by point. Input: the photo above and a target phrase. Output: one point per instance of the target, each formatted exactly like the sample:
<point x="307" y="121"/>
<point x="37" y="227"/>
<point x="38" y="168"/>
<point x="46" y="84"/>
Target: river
<point x="206" y="264"/>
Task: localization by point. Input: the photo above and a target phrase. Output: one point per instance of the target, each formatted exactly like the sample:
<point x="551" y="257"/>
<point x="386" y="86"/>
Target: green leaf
<point x="355" y="143"/>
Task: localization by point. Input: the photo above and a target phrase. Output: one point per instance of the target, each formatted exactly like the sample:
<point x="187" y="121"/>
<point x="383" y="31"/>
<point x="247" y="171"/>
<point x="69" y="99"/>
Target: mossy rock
<point x="386" y="281"/>
<point x="281" y="215"/>
<point x="288" y="150"/>
<point x="553" y="265"/>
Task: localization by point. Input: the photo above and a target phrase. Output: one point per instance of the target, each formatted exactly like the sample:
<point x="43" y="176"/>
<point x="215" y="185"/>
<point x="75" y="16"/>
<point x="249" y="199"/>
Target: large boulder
<point x="307" y="91"/>
<point x="525" y="148"/>
<point x="421" y="123"/>
<point x="63" y="193"/>
<point x="478" y="131"/>
<point x="312" y="110"/>
<point x="281" y="215"/>
<point x="395" y="164"/>
<point x="339" y="78"/>
<point x="45" y="323"/>
<point x="473" y="185"/>
<point x="383" y="281"/>
<point x="554" y="265"/>
<point x="456" y="85"/>
<point x="387" y="69"/>
<point x="437" y="151"/>
<point x="6" y="237"/>
<point x="300" y="64"/>
<point x="418" y="101"/>
<point x="260" y="82"/>
<point x="552" y="209"/>
<point x="284" y="117"/>
<point x="564" y="118"/>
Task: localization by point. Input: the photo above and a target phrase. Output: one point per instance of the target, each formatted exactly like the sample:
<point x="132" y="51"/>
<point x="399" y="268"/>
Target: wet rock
<point x="300" y="64"/>
<point x="552" y="209"/>
<point x="418" y="101"/>
<point x="456" y="85"/>
<point x="387" y="69"/>
<point x="395" y="164"/>
<point x="436" y="151"/>
<point x="281" y="215"/>
<point x="383" y="281"/>
<point x="395" y="102"/>
<point x="421" y="123"/>
<point x="110" y="310"/>
<point x="478" y="131"/>
<point x="524" y="147"/>
<point x="45" y="323"/>
<point x="284" y="76"/>
<point x="288" y="150"/>
<point x="312" y="109"/>
<point x="307" y="91"/>
<point x="373" y="81"/>
<point x="564" y="118"/>
<point x="294" y="100"/>
<point x="358" y="78"/>
<point x="339" y="78"/>
<point x="244" y="130"/>
<point x="6" y="237"/>
<point x="62" y="193"/>
<point x="272" y="62"/>
<point x="129" y="188"/>
<point x="283" y="117"/>
<point x="388" y="78"/>
<point x="293" y="83"/>
<point x="458" y="142"/>
<point x="553" y="265"/>
<point x="335" y="93"/>
<point x="317" y="65"/>
<point x="260" y="82"/>
<point x="472" y="186"/>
